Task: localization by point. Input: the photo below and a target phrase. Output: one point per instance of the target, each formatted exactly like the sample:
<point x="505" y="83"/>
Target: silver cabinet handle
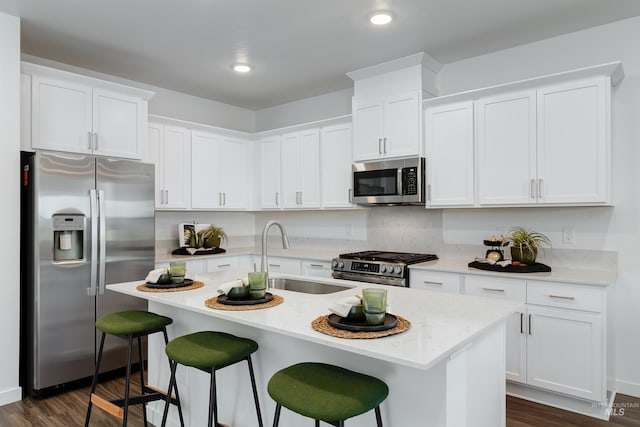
<point x="316" y="266"/>
<point x="301" y="202"/>
<point x="532" y="188"/>
<point x="224" y="199"/>
<point x="89" y="140"/>
<point x="277" y="201"/>
<point x="530" y="324"/>
<point x="350" y="196"/>
<point x="493" y="289"/>
<point x="219" y="199"/>
<point x="274" y="265"/>
<point x="95" y="140"/>
<point x="522" y="323"/>
<point x="384" y="145"/>
<point x="429" y="192"/>
<point x="379" y="145"/>
<point x="166" y="197"/>
<point x="562" y="297"/>
<point x="427" y="282"/>
<point x="224" y="265"/>
<point x="540" y="185"/>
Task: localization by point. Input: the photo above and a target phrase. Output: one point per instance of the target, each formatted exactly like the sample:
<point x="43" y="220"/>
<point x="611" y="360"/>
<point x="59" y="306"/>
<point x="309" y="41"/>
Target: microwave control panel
<point x="409" y="181"/>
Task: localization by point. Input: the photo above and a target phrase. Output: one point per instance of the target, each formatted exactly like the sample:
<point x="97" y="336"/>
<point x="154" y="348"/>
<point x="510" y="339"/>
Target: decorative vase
<point x="523" y="254"/>
<point x="212" y="243"/>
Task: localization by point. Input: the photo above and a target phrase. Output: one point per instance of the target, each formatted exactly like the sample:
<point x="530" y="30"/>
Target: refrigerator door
<point x="127" y="223"/>
<point x="61" y="347"/>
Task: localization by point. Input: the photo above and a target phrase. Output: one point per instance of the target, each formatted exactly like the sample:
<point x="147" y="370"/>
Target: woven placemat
<point x="213" y="303"/>
<point x="194" y="285"/>
<point x="321" y="324"/>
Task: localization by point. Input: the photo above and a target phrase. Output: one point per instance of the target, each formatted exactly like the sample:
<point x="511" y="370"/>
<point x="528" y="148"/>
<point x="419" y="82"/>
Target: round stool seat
<point x="207" y="349"/>
<point x="131" y="322"/>
<point x="326" y="392"/>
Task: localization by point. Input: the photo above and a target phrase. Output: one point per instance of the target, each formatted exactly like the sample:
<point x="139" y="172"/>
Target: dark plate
<point x="495" y="243"/>
<point x="223" y="299"/>
<point x="360" y="325"/>
<point x="187" y="282"/>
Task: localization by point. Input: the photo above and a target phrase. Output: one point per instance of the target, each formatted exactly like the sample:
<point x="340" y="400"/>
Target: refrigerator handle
<point x="103" y="243"/>
<point x="93" y="198"/>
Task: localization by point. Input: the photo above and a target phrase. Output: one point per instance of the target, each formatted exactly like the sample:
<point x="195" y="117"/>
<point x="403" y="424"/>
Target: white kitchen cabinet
<point x="300" y="169"/>
<point x="336" y="175"/>
<point x="511" y="289"/>
<point x="194" y="267"/>
<point x="387" y="127"/>
<point x="220" y="170"/>
<point x="228" y="262"/>
<point x="434" y="281"/>
<point x="169" y="148"/>
<point x="316" y="268"/>
<point x="507" y="149"/>
<point x="449" y="152"/>
<point x="282" y="265"/>
<point x="69" y="114"/>
<point x="573" y="142"/>
<point x="270" y="197"/>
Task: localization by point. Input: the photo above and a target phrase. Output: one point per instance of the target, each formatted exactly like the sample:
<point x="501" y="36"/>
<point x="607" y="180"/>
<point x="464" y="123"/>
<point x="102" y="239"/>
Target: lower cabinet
<point x="557" y="341"/>
<point x="228" y="262"/>
<point x="316" y="268"/>
<point x="283" y="265"/>
<point x="193" y="266"/>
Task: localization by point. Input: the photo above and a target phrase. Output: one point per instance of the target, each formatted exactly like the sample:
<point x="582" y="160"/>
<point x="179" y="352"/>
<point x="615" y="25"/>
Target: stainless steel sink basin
<point x="305" y="286"/>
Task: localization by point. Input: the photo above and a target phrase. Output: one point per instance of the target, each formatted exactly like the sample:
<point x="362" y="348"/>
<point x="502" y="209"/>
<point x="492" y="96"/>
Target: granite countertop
<point x="581" y="276"/>
<point x="441" y="323"/>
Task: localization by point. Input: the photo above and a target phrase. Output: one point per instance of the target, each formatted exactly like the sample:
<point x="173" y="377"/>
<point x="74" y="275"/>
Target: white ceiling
<point x="298" y="48"/>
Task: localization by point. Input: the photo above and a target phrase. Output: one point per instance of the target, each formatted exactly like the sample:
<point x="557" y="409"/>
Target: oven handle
<point x="359" y="277"/>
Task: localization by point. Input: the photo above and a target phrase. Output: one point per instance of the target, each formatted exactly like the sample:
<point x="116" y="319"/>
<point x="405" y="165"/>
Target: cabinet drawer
<point x="284" y="265"/>
<point x="511" y="289"/>
<point x="193" y="267"/>
<point x="227" y="262"/>
<point x="434" y="281"/>
<point x="565" y="296"/>
<point x="316" y="268"/>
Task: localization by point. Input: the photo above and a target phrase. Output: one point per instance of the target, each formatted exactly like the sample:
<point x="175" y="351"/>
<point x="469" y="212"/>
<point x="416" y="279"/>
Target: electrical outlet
<point x="568" y="235"/>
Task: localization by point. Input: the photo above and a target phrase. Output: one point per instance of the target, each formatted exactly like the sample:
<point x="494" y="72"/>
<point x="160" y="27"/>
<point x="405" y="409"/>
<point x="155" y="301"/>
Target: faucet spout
<point x="264" y="264"/>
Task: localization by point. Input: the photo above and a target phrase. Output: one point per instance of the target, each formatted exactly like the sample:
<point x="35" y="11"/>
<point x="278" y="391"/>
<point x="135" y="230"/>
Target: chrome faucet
<point x="264" y="266"/>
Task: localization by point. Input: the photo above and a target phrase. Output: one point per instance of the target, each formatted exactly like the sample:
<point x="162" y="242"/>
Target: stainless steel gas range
<point x="385" y="268"/>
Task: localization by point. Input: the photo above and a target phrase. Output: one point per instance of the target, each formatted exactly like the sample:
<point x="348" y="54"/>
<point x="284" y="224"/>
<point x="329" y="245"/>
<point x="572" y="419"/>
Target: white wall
<point x="10" y="213"/>
<point x="173" y="104"/>
<point x="306" y="110"/>
<point x="609" y="229"/>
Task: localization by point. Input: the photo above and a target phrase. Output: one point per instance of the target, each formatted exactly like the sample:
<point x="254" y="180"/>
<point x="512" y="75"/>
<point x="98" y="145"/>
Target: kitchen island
<point x="448" y="369"/>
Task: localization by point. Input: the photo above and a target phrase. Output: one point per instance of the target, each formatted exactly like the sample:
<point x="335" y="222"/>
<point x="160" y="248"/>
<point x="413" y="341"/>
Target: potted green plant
<point x="212" y="237"/>
<point x="526" y="244"/>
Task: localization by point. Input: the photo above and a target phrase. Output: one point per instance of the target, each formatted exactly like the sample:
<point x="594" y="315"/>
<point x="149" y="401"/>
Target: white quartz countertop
<point x="582" y="276"/>
<point x="313" y="254"/>
<point x="441" y="323"/>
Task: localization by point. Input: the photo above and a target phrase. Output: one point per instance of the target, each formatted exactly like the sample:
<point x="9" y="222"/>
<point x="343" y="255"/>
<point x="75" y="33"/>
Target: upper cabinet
<point x="386" y="107"/>
<point x="220" y="168"/>
<point x="79" y="114"/>
<point x="336" y="176"/>
<point x="544" y="141"/>
<point x="270" y="196"/>
<point x="300" y="169"/>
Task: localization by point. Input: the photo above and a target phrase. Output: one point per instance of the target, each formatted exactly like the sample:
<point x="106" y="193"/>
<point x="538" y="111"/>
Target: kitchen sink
<point x="305" y="286"/>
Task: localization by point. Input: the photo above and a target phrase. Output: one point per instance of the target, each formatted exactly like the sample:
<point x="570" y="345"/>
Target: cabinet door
<point x="236" y="170"/>
<point x="506" y="149"/>
<point x="367" y="129"/>
<point x="290" y="171"/>
<point x="335" y="163"/>
<point x="270" y="172"/>
<point x="449" y="153"/>
<point x="402" y="125"/>
<point x="206" y="170"/>
<point x="309" y="165"/>
<point x="564" y="352"/>
<point x="155" y="155"/>
<point x="573" y="146"/>
<point x="117" y="124"/>
<point x="61" y="116"/>
<point x="176" y="167"/>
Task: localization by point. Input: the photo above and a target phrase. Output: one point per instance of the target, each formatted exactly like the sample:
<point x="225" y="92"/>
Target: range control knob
<point x="334" y="264"/>
<point x="341" y="264"/>
<point x="383" y="268"/>
<point x="397" y="270"/>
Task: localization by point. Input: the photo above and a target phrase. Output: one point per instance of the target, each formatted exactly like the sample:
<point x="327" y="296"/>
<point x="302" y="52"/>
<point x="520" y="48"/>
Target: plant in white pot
<point x="525" y="244"/>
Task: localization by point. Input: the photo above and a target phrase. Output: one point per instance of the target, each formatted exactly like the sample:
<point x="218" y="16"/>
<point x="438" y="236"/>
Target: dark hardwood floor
<point x="69" y="409"/>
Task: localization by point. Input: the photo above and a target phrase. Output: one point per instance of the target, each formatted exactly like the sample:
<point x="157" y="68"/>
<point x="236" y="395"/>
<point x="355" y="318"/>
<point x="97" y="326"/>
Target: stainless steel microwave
<point x="389" y="182"/>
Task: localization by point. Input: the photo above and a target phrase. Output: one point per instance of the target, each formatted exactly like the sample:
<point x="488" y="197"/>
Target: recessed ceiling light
<point x="241" y="68"/>
<point x="381" y="18"/>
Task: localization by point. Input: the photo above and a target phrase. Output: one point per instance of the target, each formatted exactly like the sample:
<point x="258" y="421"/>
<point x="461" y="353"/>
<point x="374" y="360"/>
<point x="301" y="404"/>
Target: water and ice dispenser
<point x="68" y="237"/>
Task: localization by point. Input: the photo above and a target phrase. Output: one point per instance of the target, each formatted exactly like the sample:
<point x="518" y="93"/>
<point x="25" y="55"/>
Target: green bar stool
<point x="210" y="351"/>
<point x="129" y="325"/>
<point x="326" y="393"/>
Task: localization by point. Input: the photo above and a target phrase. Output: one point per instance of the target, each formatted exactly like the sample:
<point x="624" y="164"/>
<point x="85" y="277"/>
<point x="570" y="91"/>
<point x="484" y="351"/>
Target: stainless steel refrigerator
<point x="86" y="222"/>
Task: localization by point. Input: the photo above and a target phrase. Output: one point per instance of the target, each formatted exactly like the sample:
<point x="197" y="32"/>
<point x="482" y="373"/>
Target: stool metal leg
<point x="255" y="391"/>
<point x="378" y="416"/>
<point x="172" y="382"/>
<point x="276" y="416"/>
<point x="94" y="382"/>
<point x="127" y="384"/>
<point x="142" y="383"/>
<point x="175" y="384"/>
<point x="317" y="423"/>
<point x="213" y="401"/>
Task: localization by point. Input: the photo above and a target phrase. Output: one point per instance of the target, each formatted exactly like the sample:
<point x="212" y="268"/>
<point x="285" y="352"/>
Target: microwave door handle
<point x="93" y="214"/>
<point x="400" y="183"/>
<point x="103" y="243"/>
